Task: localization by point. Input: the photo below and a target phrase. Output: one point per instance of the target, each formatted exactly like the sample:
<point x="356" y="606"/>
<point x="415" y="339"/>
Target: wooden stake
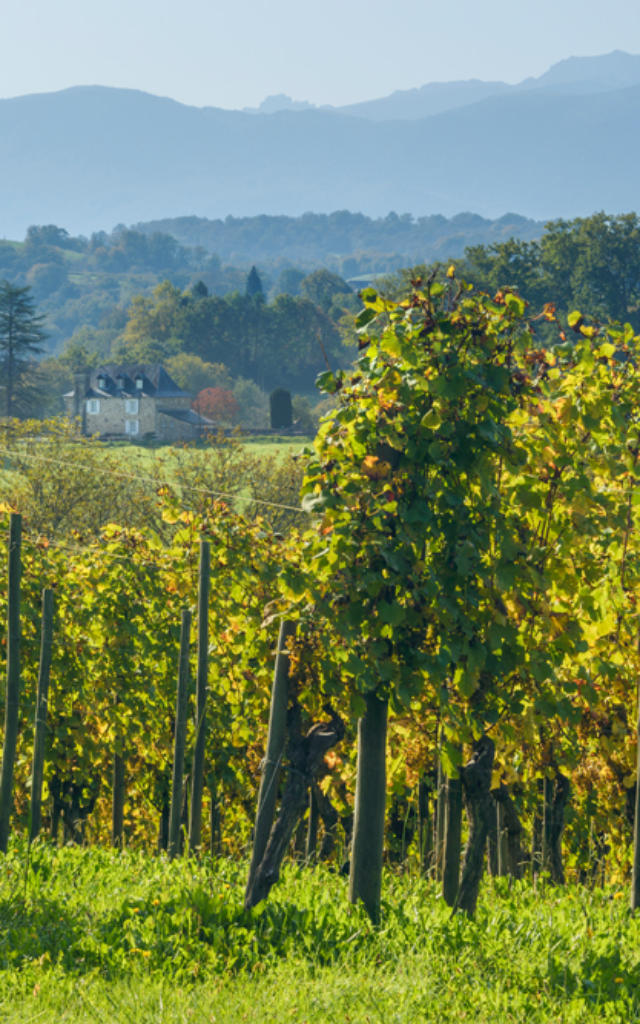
<point x="197" y="777"/>
<point x="46" y="643"/>
<point x="13" y="679"/>
<point x="268" y="794"/>
<point x="180" y="733"/>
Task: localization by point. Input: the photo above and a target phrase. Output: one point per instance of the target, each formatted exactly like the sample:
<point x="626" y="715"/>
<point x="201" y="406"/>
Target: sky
<point x="234" y="54"/>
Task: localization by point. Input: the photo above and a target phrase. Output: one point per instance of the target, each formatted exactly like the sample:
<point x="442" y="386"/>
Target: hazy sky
<point x="233" y="54"/>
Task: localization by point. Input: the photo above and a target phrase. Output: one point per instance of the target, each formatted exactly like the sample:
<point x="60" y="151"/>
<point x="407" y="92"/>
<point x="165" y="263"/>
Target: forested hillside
<point x="348" y="243"/>
<point x="81" y="282"/>
<point x="138" y="296"/>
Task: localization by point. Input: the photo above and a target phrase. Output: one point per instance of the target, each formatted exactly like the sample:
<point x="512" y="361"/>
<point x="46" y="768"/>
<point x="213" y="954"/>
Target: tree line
<point x="289" y="330"/>
<point x="587" y="263"/>
<point x="239" y="341"/>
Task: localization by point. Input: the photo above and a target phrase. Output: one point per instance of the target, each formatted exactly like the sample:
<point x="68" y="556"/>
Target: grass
<point x="92" y="935"/>
<point x="141" y="456"/>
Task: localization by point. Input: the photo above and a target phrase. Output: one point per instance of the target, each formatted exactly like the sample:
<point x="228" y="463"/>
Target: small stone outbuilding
<point x="134" y="401"/>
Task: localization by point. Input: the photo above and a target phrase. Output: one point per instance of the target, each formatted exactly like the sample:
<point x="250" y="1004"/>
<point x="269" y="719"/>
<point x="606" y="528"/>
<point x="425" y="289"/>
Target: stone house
<point x="134" y="401"/>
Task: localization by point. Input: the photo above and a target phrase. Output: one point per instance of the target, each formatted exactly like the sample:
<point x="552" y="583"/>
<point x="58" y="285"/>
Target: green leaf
<point x="437" y="451"/>
<point x="606" y="350"/>
<point x="364" y="317"/>
<point x="515" y="303"/>
<point x="391" y="613"/>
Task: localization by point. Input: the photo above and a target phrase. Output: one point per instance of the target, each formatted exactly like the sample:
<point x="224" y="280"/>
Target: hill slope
<point x="89" y="157"/>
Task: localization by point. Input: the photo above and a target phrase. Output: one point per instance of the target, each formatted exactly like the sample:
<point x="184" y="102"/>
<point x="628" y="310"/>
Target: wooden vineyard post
<point x="214" y="816"/>
<point x="424" y="825"/>
<point x="312" y="829"/>
<point x="13" y="679"/>
<point x="180" y="733"/>
<point x="118" y="795"/>
<point x="440" y="820"/>
<point x="46" y="642"/>
<point x="504" y="866"/>
<point x="197" y="778"/>
<point x="452" y="840"/>
<point x="547" y="810"/>
<point x="365" y="876"/>
<point x="268" y="793"/>
<point x="635" y="880"/>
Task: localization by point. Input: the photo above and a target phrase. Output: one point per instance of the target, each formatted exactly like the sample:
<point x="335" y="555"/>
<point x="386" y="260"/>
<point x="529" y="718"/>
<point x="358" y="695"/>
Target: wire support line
<point x="156" y="484"/>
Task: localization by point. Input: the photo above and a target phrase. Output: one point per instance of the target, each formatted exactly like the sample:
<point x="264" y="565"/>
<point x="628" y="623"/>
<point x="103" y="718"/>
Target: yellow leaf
<point x="375" y="468"/>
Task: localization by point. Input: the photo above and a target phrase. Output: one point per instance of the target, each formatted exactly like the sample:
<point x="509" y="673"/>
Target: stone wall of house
<point x="166" y="427"/>
<point x="171" y="430"/>
<point x="112" y="416"/>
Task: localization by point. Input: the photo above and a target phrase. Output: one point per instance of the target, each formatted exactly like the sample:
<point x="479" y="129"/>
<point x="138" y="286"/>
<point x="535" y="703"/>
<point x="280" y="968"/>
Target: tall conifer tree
<point x="21" y="338"/>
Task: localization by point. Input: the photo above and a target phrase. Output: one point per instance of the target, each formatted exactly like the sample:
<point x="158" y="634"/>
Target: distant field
<point x="267" y="445"/>
<point x="45" y="478"/>
<point x="278" y="446"/>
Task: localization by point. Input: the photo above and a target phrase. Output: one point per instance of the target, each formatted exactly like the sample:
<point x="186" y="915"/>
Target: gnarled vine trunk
<point x="476" y="791"/>
<point x="557" y="793"/>
<point x="306" y="755"/>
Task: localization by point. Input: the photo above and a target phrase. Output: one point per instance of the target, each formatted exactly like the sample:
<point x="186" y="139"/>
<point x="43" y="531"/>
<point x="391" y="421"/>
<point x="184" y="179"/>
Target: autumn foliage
<point x="217" y="404"/>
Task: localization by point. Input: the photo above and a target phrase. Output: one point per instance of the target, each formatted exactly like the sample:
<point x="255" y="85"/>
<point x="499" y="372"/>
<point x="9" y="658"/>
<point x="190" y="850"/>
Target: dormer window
<point x="120" y="381"/>
<point x="102" y="382"/>
<point x="139" y="382"/>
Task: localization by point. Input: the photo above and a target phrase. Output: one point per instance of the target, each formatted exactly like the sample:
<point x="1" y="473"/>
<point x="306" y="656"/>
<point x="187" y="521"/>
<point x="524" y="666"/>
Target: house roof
<point x="187" y="416"/>
<point x="113" y="380"/>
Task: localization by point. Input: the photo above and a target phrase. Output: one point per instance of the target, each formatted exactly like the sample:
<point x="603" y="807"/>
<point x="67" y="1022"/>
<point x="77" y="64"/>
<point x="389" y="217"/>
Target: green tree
<point x="21" y="339"/>
<point x="193" y="373"/>
<point x="588" y="263"/>
<point x="254" y="285"/>
<point x="322" y="287"/>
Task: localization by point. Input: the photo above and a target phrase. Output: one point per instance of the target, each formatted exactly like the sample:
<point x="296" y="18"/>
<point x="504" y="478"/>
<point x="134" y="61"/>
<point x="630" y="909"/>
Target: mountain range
<point x="562" y="145"/>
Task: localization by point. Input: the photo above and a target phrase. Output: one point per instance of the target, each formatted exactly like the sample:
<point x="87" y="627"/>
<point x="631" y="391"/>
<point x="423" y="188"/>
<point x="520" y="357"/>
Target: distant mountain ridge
<point x="616" y="70"/>
<point x="563" y="145"/>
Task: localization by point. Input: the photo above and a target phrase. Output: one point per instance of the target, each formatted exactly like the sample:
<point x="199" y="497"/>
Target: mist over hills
<point x="562" y="145"/>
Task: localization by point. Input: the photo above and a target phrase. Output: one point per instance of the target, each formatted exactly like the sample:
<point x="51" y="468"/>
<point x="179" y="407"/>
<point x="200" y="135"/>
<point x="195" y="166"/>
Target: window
<point x="93" y="405"/>
<point x="131" y="426"/>
<point x="131" y="406"/>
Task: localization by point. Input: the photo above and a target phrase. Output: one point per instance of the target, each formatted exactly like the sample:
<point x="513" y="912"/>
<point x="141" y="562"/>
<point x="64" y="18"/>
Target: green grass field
<point x="93" y="936"/>
<point x="256" y="445"/>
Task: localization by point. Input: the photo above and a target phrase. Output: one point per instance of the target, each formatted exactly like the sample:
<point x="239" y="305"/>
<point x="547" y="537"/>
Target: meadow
<point x="92" y="935"/>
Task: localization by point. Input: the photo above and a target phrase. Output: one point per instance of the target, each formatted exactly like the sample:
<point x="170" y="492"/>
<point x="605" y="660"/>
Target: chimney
<point x="80" y="388"/>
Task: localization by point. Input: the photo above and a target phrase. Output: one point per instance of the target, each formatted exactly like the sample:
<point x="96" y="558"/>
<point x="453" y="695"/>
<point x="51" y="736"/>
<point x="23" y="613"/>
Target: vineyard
<point x="427" y="658"/>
